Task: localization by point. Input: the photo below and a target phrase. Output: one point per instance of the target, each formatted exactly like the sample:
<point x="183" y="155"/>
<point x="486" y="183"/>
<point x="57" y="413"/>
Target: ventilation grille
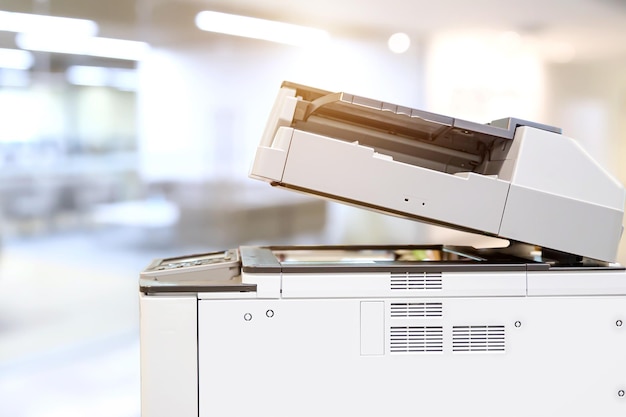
<point x="416" y="310"/>
<point x="478" y="339"/>
<point x="416" y="281"/>
<point x="416" y="339"/>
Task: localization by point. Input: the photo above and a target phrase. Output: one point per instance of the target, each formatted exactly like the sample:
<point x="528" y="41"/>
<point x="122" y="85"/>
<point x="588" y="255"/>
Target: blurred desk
<point x="218" y="215"/>
<point x="225" y="215"/>
<point x="150" y="213"/>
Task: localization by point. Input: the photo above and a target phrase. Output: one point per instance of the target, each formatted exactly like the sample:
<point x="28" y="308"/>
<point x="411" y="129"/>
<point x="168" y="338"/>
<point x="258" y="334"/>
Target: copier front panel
<point x="415" y="331"/>
<point x="470" y="356"/>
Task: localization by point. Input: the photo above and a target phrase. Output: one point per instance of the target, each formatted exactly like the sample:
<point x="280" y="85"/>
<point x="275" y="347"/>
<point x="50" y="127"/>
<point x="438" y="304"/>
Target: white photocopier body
<point x="533" y="329"/>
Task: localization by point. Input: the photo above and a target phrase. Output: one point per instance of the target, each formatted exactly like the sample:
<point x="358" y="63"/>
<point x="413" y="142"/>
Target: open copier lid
<point x="511" y="178"/>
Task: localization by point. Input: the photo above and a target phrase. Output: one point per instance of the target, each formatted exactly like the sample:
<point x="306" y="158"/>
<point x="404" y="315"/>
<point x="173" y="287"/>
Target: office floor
<point x="69" y="335"/>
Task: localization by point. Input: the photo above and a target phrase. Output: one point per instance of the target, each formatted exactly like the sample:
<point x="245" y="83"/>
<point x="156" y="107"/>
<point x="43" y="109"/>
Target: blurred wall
<point x="203" y="106"/>
<point x="588" y="101"/>
<point x="483" y="75"/>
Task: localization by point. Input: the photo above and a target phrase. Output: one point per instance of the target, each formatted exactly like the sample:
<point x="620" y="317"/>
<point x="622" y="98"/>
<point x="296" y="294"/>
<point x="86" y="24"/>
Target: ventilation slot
<point x="416" y="339"/>
<point x="416" y="310"/>
<point x="478" y="339"/>
<point x="416" y="281"/>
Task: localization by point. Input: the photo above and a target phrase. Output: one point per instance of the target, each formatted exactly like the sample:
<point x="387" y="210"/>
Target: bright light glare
<point x="21" y="116"/>
<point x="93" y="46"/>
<point x="506" y="75"/>
<point x="120" y="78"/>
<point x="117" y="48"/>
<point x="15" y="59"/>
<point x="510" y="39"/>
<point x="268" y="30"/>
<point x="34" y="23"/>
<point x="399" y="43"/>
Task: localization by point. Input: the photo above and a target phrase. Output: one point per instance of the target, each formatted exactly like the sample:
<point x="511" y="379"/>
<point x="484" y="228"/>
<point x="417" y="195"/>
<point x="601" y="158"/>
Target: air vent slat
<point x="416" y="339"/>
<point x="416" y="281"/>
<point x="416" y="309"/>
<point x="484" y="338"/>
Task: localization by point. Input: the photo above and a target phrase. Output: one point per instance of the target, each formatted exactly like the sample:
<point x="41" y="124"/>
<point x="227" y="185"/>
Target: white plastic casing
<point x="169" y="355"/>
<point x="560" y="197"/>
<point x="549" y="191"/>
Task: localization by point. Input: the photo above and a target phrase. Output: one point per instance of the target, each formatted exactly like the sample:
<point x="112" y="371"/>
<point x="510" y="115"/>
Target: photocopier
<point x="533" y="328"/>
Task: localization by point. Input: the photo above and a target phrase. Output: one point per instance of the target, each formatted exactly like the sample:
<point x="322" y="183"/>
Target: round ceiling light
<point x="399" y="42"/>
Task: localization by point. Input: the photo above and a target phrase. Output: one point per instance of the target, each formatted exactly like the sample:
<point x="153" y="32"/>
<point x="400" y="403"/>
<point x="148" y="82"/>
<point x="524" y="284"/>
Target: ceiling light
<point x="92" y="46"/>
<point x="15" y="59"/>
<point x="117" y="48"/>
<point x="34" y="23"/>
<point x="399" y="43"/>
<point x="268" y="30"/>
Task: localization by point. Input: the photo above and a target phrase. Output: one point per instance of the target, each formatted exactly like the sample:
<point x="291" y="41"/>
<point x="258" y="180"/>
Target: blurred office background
<point x="128" y="135"/>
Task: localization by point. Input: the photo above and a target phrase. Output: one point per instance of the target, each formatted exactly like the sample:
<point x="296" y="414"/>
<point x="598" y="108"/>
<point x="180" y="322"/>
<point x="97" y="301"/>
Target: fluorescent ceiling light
<point x="34" y="23"/>
<point x="117" y="48"/>
<point x="93" y="46"/>
<point x="268" y="30"/>
<point x="15" y="59"/>
<point x="120" y="78"/>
